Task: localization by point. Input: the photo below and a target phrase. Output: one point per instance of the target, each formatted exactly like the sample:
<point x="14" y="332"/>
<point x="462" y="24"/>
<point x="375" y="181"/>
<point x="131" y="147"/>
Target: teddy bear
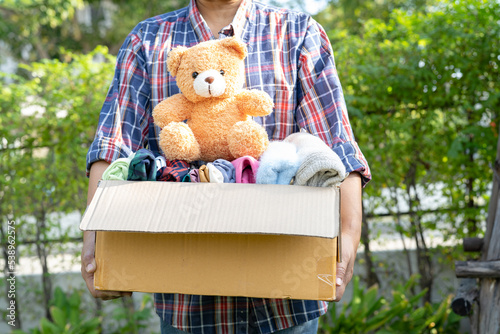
<point x="216" y="108"/>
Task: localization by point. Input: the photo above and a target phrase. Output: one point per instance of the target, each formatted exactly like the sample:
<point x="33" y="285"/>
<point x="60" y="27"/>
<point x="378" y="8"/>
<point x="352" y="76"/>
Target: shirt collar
<point x="241" y="17"/>
<point x="237" y="26"/>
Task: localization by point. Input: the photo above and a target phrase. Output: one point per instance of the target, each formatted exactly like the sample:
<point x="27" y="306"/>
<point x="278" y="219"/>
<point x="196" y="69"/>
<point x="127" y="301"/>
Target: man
<point x="289" y="57"/>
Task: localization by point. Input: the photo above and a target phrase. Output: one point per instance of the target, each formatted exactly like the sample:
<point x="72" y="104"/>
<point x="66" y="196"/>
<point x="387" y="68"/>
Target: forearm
<point x="88" y="261"/>
<point x="351" y="207"/>
<point x="96" y="171"/>
<point x="350" y="218"/>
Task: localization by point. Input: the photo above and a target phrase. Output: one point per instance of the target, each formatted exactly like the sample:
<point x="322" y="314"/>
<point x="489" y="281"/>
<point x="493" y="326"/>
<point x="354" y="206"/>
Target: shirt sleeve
<point x="124" y="118"/>
<point x="321" y="106"/>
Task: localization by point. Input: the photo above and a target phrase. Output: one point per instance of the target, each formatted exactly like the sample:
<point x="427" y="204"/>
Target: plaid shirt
<point x="290" y="58"/>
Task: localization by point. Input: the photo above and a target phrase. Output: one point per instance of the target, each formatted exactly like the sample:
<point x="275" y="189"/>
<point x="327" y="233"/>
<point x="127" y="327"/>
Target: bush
<point x="367" y="312"/>
<point x="68" y="317"/>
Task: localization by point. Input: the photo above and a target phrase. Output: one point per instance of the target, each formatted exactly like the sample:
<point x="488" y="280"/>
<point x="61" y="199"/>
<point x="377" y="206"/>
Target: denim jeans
<point x="310" y="327"/>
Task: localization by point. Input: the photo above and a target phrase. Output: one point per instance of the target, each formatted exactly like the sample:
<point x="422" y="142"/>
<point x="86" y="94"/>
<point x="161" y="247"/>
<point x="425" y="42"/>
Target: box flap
<point x="178" y="207"/>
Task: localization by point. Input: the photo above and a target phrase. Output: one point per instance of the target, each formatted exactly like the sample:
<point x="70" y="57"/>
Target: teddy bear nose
<point x="209" y="79"/>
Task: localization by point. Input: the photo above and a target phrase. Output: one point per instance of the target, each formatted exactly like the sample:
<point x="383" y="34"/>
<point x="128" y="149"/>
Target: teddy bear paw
<point x="177" y="141"/>
<point x="247" y="138"/>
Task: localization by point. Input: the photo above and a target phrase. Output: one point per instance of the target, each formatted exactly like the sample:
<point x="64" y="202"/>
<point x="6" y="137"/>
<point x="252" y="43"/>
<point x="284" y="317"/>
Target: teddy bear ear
<point x="174" y="59"/>
<point x="235" y="45"/>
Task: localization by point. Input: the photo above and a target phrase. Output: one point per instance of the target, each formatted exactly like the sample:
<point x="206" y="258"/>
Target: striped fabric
<point x="174" y="171"/>
<point x="289" y="57"/>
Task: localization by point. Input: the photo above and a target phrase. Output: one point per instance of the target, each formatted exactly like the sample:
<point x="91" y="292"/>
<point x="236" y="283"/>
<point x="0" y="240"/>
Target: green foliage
<point x="353" y="14"/>
<point x="46" y="125"/>
<point x="126" y="14"/>
<point x="367" y="312"/>
<point x="37" y="23"/>
<point x="421" y="87"/>
<point x="67" y="317"/>
<point x="37" y="29"/>
<point x="127" y="321"/>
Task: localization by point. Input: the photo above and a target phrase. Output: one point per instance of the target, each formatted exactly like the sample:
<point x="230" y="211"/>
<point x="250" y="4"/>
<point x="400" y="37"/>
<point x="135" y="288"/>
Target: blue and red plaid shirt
<point x="289" y="57"/>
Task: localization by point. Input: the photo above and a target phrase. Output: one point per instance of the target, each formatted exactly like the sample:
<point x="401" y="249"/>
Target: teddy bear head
<point x="212" y="69"/>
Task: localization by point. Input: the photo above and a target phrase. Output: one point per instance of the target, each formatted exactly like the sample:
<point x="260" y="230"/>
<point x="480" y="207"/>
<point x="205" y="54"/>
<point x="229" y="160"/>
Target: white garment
<point x="214" y="174"/>
<point x="160" y="162"/>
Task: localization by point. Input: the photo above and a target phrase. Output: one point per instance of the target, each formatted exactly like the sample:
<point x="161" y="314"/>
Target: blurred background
<point x="420" y="79"/>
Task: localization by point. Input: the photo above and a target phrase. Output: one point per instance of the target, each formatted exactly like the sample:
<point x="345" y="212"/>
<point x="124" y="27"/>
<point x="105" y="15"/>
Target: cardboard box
<point x="267" y="241"/>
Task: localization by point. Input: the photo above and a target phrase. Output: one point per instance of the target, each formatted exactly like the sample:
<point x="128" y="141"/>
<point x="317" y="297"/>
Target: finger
<point x="88" y="251"/>
<point x="101" y="294"/>
<point x="340" y="283"/>
<point x="106" y="295"/>
<point x="88" y="276"/>
<point x="126" y="293"/>
<point x="89" y="267"/>
<point x="344" y="270"/>
<point x="343" y="279"/>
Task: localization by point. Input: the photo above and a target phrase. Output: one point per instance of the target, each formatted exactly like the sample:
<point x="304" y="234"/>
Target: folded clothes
<point x="186" y="178"/>
<point x="142" y="166"/>
<point x="118" y="170"/>
<point x="245" y="169"/>
<point x="160" y="162"/>
<point x="204" y="174"/>
<point x="174" y="171"/>
<point x="278" y="164"/>
<point x="194" y="175"/>
<point x="215" y="175"/>
<point x="319" y="165"/>
<point x="227" y="170"/>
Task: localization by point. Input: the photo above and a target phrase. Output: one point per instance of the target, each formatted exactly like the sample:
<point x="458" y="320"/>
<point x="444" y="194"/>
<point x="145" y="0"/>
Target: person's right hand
<point x="89" y="267"/>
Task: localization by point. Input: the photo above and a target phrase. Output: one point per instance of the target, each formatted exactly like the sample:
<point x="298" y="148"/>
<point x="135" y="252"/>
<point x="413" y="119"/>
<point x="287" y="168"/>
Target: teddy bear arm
<point x="173" y="109"/>
<point x="255" y="103"/>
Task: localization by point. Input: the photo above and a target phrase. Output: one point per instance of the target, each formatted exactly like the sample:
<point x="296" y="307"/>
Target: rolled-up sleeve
<point x="124" y="118"/>
<point x="321" y="105"/>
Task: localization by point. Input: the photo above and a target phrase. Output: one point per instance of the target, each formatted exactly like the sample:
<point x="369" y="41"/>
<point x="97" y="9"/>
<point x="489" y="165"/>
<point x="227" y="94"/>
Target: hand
<point x="88" y="261"/>
<point x="351" y="215"/>
<point x="89" y="267"/>
<point x="345" y="268"/>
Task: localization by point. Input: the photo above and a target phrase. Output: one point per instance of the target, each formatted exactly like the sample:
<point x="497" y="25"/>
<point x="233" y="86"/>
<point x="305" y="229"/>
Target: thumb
<point x="91" y="267"/>
<point x="88" y="249"/>
<point x="341" y="280"/>
<point x="345" y="267"/>
<point x="341" y="270"/>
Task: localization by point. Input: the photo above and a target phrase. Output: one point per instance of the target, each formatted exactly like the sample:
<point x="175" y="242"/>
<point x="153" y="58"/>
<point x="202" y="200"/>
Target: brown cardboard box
<point x="268" y="241"/>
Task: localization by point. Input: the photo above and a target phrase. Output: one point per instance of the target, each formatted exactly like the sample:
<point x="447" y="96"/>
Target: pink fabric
<point x="194" y="175"/>
<point x="245" y="169"/>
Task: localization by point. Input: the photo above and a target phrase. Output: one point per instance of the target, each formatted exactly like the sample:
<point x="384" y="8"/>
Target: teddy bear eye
<point x="222" y="72"/>
<point x="195" y="74"/>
